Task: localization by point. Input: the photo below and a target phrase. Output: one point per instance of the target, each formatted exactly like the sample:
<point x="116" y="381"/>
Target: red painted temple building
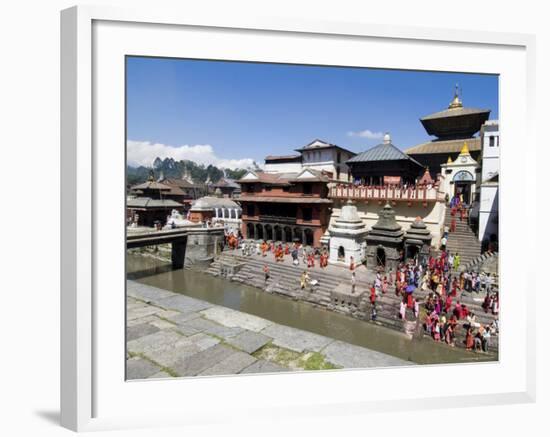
<point x="285" y="207"/>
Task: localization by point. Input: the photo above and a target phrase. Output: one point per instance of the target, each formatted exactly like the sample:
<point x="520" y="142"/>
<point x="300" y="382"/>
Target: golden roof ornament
<point x="465" y="150"/>
<point x="449" y="160"/>
<point x="456" y="102"/>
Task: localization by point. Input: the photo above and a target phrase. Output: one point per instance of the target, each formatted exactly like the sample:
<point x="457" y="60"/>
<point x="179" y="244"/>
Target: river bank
<point x="296" y="314"/>
<point x="171" y="335"/>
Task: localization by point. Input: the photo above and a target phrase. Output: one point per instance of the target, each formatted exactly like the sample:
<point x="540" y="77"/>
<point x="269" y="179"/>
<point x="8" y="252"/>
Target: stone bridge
<point x="177" y="238"/>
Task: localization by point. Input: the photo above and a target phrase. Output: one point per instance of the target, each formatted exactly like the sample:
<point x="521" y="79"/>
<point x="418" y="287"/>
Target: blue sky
<point x="230" y="113"/>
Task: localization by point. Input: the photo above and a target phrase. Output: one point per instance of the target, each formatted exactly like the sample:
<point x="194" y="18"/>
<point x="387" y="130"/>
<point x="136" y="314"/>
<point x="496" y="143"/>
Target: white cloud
<point x="145" y="152"/>
<point x="366" y="134"/>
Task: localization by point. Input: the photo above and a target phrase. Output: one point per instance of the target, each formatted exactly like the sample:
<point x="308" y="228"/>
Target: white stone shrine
<point x="347" y="237"/>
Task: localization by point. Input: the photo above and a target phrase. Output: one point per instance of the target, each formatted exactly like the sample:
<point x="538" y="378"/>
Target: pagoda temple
<point x="385" y="240"/>
<point x="452" y="128"/>
<point x="384" y="164"/>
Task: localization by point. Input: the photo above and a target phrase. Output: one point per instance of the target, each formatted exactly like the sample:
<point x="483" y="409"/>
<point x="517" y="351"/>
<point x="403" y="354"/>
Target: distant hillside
<point x="176" y="169"/>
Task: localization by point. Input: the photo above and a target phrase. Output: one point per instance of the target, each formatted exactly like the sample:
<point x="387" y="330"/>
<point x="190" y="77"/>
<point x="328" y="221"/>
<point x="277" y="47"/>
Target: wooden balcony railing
<point x="387" y="192"/>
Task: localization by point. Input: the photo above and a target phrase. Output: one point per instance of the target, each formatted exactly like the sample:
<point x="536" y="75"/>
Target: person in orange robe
<point x="469" y="339"/>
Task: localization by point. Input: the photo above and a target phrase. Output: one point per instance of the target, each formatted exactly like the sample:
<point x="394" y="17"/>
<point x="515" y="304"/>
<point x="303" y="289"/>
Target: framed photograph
<point x="285" y="218"/>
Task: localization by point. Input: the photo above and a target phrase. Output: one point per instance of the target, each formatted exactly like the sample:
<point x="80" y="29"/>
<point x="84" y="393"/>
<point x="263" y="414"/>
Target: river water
<point x="297" y="314"/>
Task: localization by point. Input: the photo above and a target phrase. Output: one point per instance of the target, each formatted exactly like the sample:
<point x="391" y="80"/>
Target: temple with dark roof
<point x="384" y="164"/>
<point x="452" y="128"/>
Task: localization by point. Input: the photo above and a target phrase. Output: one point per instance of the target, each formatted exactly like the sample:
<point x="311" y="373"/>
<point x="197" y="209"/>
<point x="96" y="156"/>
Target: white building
<point x="490" y="149"/>
<point x="283" y="164"/>
<point x="488" y="199"/>
<point x="461" y="176"/>
<point x="321" y="155"/>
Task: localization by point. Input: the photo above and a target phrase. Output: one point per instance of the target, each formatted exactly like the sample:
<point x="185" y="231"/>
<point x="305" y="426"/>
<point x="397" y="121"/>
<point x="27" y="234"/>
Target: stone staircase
<point x="285" y="280"/>
<point x="463" y="240"/>
<point x="487" y="262"/>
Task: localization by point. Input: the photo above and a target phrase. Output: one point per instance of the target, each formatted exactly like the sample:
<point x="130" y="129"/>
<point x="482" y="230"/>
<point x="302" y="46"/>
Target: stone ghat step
<point x="461" y="343"/>
<point x="285" y="281"/>
<point x="291" y="269"/>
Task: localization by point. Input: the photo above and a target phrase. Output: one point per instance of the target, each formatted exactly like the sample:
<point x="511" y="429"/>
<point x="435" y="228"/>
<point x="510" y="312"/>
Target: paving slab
<point x="263" y="366"/>
<point x="138" y="368"/>
<point x="141" y="320"/>
<point x="148" y="344"/>
<point x="203" y="341"/>
<point x="144" y="311"/>
<point x="231" y="318"/>
<point x="199" y="362"/>
<point x="350" y="356"/>
<point x="146" y="292"/>
<point x="234" y="363"/>
<point x="199" y="324"/>
<point x="170" y="354"/>
<point x="162" y="324"/>
<point x="296" y="339"/>
<point x="182" y="317"/>
<point x="224" y="332"/>
<point x="183" y="303"/>
<point x="141" y="330"/>
<point x="249" y="341"/>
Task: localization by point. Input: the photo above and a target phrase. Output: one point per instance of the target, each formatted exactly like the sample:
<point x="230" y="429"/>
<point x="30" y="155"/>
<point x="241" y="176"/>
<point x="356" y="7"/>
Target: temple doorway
<point x="250" y="231"/>
<point x="259" y="232"/>
<point x="268" y="232"/>
<point x="288" y="234"/>
<point x="341" y="253"/>
<point x="278" y="233"/>
<point x="464" y="188"/>
<point x="412" y="252"/>
<point x="309" y="237"/>
<point x="380" y="257"/>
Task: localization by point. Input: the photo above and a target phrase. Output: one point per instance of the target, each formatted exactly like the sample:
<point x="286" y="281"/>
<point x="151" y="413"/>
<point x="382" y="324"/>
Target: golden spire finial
<point x="449" y="160"/>
<point x="456" y="102"/>
<point x="465" y="150"/>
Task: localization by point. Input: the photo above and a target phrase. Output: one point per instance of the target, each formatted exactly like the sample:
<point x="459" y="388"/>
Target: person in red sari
<point x="351" y="264"/>
<point x="372" y="294"/>
<point x="311" y="260"/>
<point x="287" y="249"/>
<point x="457" y="311"/>
<point x="453" y="225"/>
<point x="410" y="300"/>
<point x="385" y="285"/>
<point x="448" y="303"/>
<point x="462" y="214"/>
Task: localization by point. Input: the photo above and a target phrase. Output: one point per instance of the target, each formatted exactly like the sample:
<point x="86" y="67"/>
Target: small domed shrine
<point x="347" y="237"/>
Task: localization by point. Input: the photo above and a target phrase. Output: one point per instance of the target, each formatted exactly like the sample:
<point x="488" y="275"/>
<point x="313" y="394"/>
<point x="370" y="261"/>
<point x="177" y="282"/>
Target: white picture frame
<point x="92" y="394"/>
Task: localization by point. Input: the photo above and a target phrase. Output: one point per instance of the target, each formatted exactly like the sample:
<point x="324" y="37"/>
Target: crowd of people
<point x="445" y="314"/>
<point x="298" y="253"/>
<point x="439" y="280"/>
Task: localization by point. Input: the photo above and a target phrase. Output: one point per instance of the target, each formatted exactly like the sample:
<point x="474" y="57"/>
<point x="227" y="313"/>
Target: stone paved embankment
<point x="172" y="335"/>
